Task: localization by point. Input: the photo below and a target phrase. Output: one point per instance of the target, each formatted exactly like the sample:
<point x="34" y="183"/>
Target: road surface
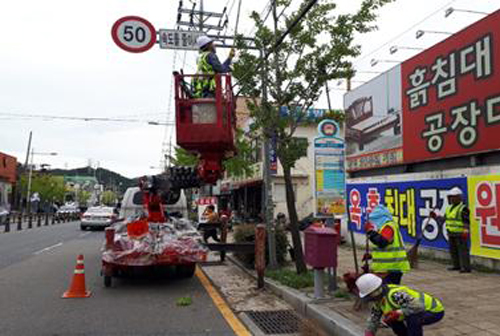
<point x="36" y="267"/>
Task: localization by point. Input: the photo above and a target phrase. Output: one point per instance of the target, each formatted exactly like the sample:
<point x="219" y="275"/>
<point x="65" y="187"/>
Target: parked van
<point x="131" y="204"/>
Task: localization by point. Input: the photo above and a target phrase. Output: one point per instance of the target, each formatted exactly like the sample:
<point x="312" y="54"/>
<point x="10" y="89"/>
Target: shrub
<point x="246" y="234"/>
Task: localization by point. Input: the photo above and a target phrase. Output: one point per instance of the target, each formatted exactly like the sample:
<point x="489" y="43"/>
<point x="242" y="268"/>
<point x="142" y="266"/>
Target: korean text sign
<point x="410" y="202"/>
<point x="451" y="95"/>
<point x="484" y="201"/>
<point x="203" y="204"/>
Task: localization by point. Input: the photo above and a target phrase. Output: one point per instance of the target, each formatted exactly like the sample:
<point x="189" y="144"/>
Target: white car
<point x="98" y="217"/>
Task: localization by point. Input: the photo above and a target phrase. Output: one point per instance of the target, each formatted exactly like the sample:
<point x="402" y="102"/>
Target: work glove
<point x="369" y="333"/>
<point x="367" y="256"/>
<point x="392" y="316"/>
<point x="433" y="215"/>
<point x="232" y="53"/>
<point x="369" y="227"/>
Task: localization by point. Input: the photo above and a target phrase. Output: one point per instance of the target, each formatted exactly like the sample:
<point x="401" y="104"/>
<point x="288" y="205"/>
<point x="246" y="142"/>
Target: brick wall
<point x="8" y="166"/>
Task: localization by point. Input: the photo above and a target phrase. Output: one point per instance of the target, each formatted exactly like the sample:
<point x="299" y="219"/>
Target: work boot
<point x="453" y="268"/>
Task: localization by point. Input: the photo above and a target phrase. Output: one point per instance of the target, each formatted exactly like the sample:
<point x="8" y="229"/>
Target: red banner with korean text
<point x="451" y="95"/>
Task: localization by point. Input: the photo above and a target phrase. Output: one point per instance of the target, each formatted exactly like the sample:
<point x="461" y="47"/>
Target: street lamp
<point x="421" y="33"/>
<point x="374" y="61"/>
<point x="28" y="194"/>
<point x="450" y="11"/>
<point x="394" y="49"/>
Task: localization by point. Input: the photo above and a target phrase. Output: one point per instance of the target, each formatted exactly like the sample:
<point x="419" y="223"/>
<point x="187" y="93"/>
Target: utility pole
<point x="26" y="165"/>
<point x="199" y="18"/>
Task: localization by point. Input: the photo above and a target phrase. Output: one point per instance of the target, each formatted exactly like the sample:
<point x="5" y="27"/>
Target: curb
<point x="331" y="321"/>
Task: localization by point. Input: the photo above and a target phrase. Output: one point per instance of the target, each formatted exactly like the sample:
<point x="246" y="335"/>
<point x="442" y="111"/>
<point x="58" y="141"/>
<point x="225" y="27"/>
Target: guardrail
<point x="20" y="221"/>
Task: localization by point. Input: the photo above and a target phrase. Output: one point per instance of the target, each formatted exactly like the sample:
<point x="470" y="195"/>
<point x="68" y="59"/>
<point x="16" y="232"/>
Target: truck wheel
<point x="83" y="227"/>
<point x="186" y="271"/>
<point x="107" y="281"/>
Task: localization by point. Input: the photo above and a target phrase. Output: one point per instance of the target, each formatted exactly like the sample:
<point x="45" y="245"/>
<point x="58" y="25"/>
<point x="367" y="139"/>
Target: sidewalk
<point x="472" y="301"/>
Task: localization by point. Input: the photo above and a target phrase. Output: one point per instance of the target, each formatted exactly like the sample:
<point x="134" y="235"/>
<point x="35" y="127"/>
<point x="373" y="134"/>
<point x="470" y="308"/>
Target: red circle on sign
<point x="151" y="28"/>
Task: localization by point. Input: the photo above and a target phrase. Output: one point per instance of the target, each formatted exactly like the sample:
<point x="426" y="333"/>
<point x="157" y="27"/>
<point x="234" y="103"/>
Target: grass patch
<point x="184" y="301"/>
<point x="341" y="294"/>
<point x="290" y="278"/>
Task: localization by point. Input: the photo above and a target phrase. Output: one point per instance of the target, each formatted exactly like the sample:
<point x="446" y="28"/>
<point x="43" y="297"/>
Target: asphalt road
<point x="36" y="267"/>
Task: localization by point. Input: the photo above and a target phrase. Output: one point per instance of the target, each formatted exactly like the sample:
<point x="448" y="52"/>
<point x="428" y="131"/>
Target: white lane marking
<point x="84" y="234"/>
<point x="48" y="248"/>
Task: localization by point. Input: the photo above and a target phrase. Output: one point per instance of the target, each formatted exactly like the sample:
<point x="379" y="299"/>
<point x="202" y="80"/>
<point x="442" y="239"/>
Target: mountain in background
<point x="108" y="178"/>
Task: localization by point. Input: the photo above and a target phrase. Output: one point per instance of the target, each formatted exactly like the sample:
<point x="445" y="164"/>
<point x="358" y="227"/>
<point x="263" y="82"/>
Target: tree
<point x="318" y="49"/>
<point x="50" y="188"/>
<point x="108" y="197"/>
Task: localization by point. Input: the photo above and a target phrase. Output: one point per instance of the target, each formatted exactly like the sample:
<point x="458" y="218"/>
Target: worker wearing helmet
<point x="457" y="225"/>
<point x="403" y="309"/>
<point x="209" y="64"/>
<point x="389" y="258"/>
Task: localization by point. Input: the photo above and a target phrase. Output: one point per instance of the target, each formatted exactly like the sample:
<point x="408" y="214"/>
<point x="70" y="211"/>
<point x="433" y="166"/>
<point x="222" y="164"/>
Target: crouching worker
<point x="389" y="259"/>
<point x="403" y="309"/>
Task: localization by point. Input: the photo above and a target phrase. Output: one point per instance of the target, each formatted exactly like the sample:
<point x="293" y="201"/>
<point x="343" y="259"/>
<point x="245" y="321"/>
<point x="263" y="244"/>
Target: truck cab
<point x="132" y="204"/>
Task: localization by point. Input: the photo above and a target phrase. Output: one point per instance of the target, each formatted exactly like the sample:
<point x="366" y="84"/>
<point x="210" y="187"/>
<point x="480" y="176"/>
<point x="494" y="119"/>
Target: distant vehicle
<point x="98" y="217"/>
<point x="131" y="205"/>
<point x="70" y="210"/>
<point x="4" y="213"/>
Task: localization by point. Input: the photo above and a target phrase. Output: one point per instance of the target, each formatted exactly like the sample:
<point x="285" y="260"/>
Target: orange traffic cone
<point x="77" y="288"/>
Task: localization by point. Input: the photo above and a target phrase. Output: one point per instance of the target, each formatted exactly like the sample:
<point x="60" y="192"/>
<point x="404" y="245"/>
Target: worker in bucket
<point x="457" y="225"/>
<point x="389" y="259"/>
<point x="401" y="308"/>
<point x="209" y="64"/>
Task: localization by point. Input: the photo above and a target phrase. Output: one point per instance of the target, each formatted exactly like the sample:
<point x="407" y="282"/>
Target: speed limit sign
<point x="134" y="34"/>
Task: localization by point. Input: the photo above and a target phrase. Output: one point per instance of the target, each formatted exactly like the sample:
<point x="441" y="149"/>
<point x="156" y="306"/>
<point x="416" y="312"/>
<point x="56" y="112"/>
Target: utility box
<point x="321" y="245"/>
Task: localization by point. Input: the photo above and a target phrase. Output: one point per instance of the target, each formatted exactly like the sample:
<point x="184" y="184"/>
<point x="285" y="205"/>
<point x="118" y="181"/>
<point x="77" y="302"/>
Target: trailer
<point x="151" y="239"/>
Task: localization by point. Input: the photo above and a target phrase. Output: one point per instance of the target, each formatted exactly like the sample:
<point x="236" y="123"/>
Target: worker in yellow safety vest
<point x="389" y="259"/>
<point x="457" y="225"/>
<point x="403" y="309"/>
<point x="208" y="64"/>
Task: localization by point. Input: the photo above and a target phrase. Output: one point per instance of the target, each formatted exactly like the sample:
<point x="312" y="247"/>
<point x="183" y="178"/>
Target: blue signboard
<point x="410" y="202"/>
<point x="329" y="186"/>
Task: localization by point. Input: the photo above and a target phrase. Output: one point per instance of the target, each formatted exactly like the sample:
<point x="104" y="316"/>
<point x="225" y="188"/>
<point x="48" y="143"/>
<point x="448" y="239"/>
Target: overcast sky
<point x="57" y="58"/>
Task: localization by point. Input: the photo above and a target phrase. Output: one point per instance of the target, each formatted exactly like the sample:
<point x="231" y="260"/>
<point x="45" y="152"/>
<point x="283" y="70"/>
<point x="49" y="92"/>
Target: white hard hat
<point x="203" y="41"/>
<point x="455" y="192"/>
<point x="367" y="284"/>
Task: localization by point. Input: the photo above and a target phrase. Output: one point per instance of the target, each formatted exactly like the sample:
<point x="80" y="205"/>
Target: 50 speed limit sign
<point x="134" y="34"/>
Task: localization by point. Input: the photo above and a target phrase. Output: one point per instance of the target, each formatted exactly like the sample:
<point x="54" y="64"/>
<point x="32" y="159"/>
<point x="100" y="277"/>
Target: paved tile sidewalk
<point x="472" y="301"/>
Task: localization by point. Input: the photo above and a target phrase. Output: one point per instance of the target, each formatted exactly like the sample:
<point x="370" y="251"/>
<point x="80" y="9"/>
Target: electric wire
<point x="364" y="56"/>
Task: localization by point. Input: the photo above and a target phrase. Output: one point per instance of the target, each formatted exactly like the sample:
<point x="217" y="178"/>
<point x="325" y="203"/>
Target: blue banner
<point x="410" y="203"/>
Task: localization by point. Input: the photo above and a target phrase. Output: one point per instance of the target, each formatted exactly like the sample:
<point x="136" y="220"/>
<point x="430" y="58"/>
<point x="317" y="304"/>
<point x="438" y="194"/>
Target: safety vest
<point x="203" y="84"/>
<point x="387" y="303"/>
<point x="393" y="256"/>
<point x="454" y="222"/>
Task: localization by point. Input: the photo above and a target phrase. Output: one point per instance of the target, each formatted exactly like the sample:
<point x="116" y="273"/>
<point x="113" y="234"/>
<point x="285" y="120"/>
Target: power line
<point x="404" y="32"/>
<point x="50" y="117"/>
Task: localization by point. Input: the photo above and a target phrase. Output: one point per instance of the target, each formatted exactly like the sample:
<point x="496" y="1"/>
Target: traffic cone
<point x="77" y="288"/>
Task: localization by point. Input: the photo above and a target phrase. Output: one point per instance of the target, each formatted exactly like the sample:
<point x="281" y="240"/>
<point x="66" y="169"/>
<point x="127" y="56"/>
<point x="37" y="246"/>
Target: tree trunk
<point x="294" y="222"/>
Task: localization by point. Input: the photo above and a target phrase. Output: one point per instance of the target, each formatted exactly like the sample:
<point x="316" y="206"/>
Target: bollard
<point x="53" y="219"/>
<point x="319" y="291"/>
<point x="46" y="219"/>
<point x="260" y="254"/>
<point x="38" y="220"/>
<point x="7" y="224"/>
<point x="30" y="221"/>
<point x="20" y="222"/>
